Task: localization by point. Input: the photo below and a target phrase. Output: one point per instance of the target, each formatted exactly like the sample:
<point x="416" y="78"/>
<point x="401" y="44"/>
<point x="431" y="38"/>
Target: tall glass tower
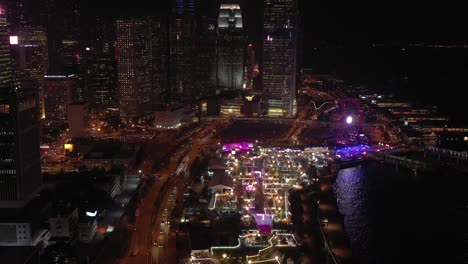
<point x="231" y="48"/>
<point x="280" y="56"/>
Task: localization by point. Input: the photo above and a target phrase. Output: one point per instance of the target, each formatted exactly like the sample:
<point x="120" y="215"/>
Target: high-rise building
<point x="7" y="76"/>
<point x="31" y="57"/>
<point x="160" y="62"/>
<point x="101" y="68"/>
<point x="279" y="56"/>
<point x="58" y="94"/>
<point x="185" y="7"/>
<point x="134" y="67"/>
<point x="182" y="58"/>
<point x="206" y="67"/>
<point x="20" y="168"/>
<point x="230" y="48"/>
<point x="103" y="87"/>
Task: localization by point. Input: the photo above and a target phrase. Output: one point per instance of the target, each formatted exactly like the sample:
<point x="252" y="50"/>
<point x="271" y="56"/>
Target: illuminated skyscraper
<point x="7" y="78"/>
<point x="31" y="57"/>
<point x="279" y="56"/>
<point x="58" y="94"/>
<point x="103" y="90"/>
<point x="230" y="48"/>
<point x="134" y="67"/>
<point x="20" y="167"/>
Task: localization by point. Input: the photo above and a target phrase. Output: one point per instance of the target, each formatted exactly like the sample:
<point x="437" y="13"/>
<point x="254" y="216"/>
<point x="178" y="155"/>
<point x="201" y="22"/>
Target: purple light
<point x="349" y="119"/>
<point x="237" y="146"/>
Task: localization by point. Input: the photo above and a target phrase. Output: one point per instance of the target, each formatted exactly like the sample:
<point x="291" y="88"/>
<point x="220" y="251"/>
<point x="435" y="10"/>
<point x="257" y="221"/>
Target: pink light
<point x="13" y="40"/>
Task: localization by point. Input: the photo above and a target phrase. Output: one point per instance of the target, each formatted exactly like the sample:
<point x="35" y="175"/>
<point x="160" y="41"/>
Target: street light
<point x="224" y="255"/>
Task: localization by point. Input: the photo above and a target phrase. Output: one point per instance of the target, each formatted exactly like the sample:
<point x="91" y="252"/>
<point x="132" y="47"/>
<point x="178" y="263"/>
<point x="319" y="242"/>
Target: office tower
<point x="133" y="67"/>
<point x="20" y="168"/>
<point x="103" y="86"/>
<point x="7" y="77"/>
<point x="182" y="58"/>
<point x="230" y="48"/>
<point x="75" y="57"/>
<point x="31" y="57"/>
<point x="58" y="94"/>
<point x="279" y="56"/>
<point x="206" y="66"/>
<point x="185" y="7"/>
<point x="160" y="62"/>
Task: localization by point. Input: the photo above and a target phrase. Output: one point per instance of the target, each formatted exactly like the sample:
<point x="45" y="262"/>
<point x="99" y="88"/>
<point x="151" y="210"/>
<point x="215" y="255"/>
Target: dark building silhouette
<point x="20" y="168"/>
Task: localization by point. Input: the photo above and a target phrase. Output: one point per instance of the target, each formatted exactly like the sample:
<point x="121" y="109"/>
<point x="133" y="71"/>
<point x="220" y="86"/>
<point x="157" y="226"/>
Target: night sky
<point x="326" y="21"/>
<point x="338" y="20"/>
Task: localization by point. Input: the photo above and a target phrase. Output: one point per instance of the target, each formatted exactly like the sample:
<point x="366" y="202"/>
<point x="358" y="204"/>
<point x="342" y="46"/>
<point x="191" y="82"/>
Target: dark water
<point x="432" y="76"/>
<point x="393" y="216"/>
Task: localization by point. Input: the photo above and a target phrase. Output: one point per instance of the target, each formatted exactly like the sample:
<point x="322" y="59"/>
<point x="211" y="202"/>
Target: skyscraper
<point x="160" y="62"/>
<point x="58" y="93"/>
<point x="134" y="67"/>
<point x="182" y="58"/>
<point x="230" y="48"/>
<point x="20" y="168"/>
<point x="103" y="87"/>
<point x="279" y="56"/>
<point x="31" y="57"/>
<point x="206" y="60"/>
<point x="7" y="77"/>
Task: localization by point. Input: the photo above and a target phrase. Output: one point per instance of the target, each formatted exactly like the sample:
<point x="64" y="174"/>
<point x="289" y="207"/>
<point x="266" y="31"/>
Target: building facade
<point x="7" y="77"/>
<point x="280" y="56"/>
<point x="182" y="58"/>
<point x="31" y="58"/>
<point x="133" y="67"/>
<point x="231" y="48"/>
<point x="58" y="95"/>
<point x="103" y="86"/>
<point x="20" y="166"/>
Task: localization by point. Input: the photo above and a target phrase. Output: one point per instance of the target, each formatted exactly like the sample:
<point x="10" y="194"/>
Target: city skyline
<point x="232" y="131"/>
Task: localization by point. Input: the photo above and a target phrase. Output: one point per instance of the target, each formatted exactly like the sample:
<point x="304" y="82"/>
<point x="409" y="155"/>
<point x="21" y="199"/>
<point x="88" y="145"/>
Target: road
<point x="153" y="241"/>
<point x="141" y="242"/>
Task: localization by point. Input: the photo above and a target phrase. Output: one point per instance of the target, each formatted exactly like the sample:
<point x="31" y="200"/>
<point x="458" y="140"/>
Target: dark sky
<point x="338" y="20"/>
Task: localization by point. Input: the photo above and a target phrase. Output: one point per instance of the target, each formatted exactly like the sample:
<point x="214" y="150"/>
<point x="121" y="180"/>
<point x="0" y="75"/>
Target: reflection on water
<point x="393" y="216"/>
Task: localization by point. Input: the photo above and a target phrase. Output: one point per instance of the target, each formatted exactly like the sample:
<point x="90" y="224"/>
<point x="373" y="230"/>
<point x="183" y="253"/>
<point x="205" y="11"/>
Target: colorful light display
<point x="238" y="146"/>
